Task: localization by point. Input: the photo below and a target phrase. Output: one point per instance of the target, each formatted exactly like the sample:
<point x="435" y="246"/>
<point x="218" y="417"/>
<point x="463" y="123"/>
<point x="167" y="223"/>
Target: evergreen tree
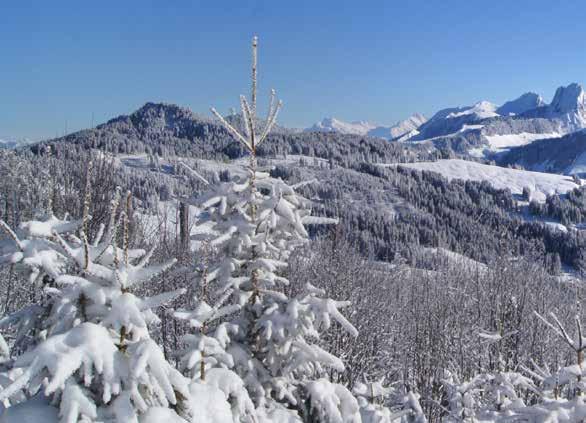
<point x="256" y="221"/>
<point x="89" y="351"/>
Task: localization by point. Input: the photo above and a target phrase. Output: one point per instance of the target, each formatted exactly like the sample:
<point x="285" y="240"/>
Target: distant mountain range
<point x="7" y="142"/>
<point x="365" y="128"/>
<point x="525" y="131"/>
<point x="482" y="128"/>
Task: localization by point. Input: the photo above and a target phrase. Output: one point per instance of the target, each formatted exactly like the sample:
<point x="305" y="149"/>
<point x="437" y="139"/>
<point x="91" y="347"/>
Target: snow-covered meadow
<point x="540" y="184"/>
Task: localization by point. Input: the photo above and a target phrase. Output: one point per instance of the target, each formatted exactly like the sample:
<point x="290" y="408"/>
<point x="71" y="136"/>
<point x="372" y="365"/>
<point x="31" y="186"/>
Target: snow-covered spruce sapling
<point x="372" y="397"/>
<point x="98" y="360"/>
<point x="256" y="222"/>
<point x="205" y="348"/>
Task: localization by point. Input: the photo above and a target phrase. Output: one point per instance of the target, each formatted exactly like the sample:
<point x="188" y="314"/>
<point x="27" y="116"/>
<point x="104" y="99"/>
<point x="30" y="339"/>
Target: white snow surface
<point x="482" y="110"/>
<point x="501" y="142"/>
<point x="541" y="184"/>
<point x="36" y="410"/>
<point x="578" y="166"/>
<point x="457" y="259"/>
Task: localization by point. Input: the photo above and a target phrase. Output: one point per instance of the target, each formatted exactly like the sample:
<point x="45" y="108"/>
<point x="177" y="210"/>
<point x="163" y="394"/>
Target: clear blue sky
<point x="62" y="61"/>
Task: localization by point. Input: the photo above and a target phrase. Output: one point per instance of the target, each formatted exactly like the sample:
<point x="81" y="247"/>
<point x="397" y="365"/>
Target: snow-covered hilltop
<point x="540" y="184"/>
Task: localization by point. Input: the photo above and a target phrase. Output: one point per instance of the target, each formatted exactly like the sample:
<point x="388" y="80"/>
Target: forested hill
<point x="170" y="130"/>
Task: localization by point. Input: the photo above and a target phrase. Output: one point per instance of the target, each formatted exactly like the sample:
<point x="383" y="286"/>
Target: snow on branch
<point x="194" y="173"/>
<point x="11" y="234"/>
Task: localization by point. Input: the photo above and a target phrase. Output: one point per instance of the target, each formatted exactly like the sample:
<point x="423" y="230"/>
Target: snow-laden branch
<point x="559" y="330"/>
<point x="192" y="172"/>
<point x="11" y="234"/>
<point x="232" y="130"/>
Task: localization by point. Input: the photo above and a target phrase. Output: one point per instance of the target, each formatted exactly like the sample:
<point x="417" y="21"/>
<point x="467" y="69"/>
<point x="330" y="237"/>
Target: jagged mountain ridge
<point x="365" y="128"/>
<point x="474" y="131"/>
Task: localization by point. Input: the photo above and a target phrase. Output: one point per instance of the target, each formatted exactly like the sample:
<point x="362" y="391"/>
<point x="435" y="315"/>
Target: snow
<point x="578" y="166"/>
<point x="366" y="128"/>
<point x="400" y="129"/>
<point x="208" y="404"/>
<point x="457" y="259"/>
<point x="466" y="127"/>
<point x="501" y="142"/>
<point x="334" y="401"/>
<point x="331" y="124"/>
<point x="482" y="110"/>
<point x="541" y="184"/>
<point x="159" y="415"/>
<point x="526" y="102"/>
<point x="9" y="142"/>
<point x="568" y="99"/>
<point x="35" y="410"/>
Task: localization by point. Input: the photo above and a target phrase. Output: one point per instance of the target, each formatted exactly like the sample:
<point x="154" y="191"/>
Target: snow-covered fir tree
<point x="88" y="351"/>
<point x="255" y="222"/>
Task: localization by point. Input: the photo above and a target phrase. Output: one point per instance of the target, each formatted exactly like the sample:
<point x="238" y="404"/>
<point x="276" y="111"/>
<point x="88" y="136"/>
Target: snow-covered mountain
<point x="331" y="124"/>
<point x="480" y="110"/>
<point x="526" y="102"/>
<point x="484" y="129"/>
<point x="568" y="107"/>
<point x="400" y="129"/>
<point x="453" y="119"/>
<point x="7" y="142"/>
<point x="366" y="128"/>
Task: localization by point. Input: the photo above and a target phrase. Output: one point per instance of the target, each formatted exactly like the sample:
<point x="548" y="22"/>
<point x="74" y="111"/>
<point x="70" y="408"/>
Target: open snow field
<point x="540" y="184"/>
<point x="502" y="142"/>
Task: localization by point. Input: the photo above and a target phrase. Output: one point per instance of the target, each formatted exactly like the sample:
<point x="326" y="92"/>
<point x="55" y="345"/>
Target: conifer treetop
<point x="253" y="136"/>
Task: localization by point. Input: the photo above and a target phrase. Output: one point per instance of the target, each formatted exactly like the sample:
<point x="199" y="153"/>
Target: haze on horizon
<point x="67" y="65"/>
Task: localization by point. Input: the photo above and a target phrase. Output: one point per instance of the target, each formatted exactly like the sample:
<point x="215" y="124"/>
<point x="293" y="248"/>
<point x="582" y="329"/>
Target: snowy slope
<point x="541" y="184"/>
<point x="455" y="259"/>
<point x="500" y="142"/>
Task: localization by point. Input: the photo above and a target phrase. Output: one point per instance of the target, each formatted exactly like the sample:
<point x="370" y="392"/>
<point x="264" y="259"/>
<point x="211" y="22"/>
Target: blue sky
<point x="62" y="62"/>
